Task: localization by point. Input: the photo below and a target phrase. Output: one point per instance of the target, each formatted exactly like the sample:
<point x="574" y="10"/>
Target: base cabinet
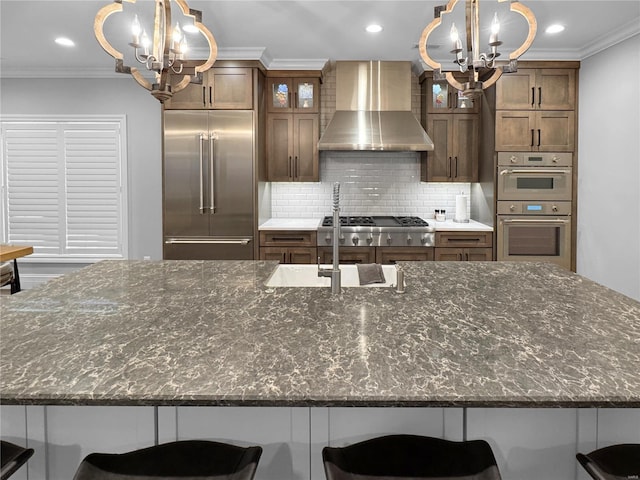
<point x="288" y="246"/>
<point x="464" y="246"/>
<point x="348" y="255"/>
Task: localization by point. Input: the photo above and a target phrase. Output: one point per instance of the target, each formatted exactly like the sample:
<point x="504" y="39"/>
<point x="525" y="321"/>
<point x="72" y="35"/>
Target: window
<point x="64" y="186"/>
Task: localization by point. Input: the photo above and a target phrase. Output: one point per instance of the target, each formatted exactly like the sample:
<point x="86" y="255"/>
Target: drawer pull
<point x="288" y="239"/>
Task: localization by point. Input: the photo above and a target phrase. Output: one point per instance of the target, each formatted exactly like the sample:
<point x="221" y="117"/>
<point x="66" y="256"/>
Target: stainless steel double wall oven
<point x="534" y="192"/>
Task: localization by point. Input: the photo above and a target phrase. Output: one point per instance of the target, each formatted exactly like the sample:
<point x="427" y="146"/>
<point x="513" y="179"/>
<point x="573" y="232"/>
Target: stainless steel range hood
<point x="373" y="109"/>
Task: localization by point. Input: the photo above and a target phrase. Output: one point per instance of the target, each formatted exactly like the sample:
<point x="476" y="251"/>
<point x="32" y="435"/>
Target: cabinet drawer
<point x="301" y="238"/>
<point x="390" y="255"/>
<point x="348" y="255"/>
<point x="464" y="239"/>
<point x="463" y="254"/>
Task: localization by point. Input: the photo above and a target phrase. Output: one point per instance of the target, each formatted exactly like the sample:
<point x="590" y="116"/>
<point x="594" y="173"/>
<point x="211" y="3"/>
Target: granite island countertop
<point x="211" y="333"/>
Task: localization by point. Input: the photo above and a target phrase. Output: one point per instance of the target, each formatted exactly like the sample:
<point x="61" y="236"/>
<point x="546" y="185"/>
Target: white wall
<point x="108" y="96"/>
<point x="608" y="243"/>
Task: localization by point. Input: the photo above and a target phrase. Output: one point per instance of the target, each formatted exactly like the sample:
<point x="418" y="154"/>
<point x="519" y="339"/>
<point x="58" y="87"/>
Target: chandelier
<point x="163" y="52"/>
<point x="482" y="68"/>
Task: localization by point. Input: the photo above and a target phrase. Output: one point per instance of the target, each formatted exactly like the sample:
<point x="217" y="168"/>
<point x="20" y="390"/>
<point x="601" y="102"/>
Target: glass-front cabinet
<point x="444" y="98"/>
<point x="293" y="95"/>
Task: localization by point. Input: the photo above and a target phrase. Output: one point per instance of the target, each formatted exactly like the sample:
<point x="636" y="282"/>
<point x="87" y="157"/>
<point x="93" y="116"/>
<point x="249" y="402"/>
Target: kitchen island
<point x="476" y="335"/>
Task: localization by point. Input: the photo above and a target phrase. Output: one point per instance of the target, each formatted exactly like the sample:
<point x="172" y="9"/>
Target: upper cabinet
<point x="293" y="127"/>
<point x="537" y="89"/>
<point x="453" y="122"/>
<point x="293" y="95"/>
<point x="440" y="97"/>
<point x="455" y="154"/>
<point x="222" y="88"/>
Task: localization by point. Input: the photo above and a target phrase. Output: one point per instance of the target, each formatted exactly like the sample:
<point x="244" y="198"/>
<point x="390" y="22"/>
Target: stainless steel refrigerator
<point x="208" y="185"/>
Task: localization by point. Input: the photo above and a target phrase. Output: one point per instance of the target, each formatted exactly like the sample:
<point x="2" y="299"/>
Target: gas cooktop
<point x="376" y="221"/>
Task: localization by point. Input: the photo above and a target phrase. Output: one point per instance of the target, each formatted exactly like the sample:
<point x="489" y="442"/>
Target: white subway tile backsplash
<point x="370" y="184"/>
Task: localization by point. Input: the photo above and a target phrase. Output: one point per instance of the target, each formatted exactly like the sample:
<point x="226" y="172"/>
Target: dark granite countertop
<point x="210" y="333"/>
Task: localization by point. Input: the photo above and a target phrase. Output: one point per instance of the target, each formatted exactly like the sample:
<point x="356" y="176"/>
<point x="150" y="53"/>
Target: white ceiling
<point x="295" y="34"/>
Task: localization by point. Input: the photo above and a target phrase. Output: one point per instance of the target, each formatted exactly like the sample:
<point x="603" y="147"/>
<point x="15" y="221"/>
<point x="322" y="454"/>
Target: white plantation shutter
<point x="63" y="187"/>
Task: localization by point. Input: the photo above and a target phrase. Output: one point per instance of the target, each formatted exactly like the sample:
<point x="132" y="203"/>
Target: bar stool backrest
<point x="187" y="459"/>
<point x="616" y="462"/>
<point x="411" y="457"/>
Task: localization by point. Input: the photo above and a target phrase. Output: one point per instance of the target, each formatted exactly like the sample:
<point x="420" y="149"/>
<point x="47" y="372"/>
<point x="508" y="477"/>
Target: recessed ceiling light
<point x="64" y="41"/>
<point x="190" y="28"/>
<point x="373" y="28"/>
<point x="555" y="28"/>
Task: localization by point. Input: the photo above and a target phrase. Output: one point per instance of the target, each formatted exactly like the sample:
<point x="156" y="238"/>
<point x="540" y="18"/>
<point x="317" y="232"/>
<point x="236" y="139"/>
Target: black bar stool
<point x="12" y="457"/>
<point x="411" y="456"/>
<point x="188" y="458"/>
<point x="615" y="462"/>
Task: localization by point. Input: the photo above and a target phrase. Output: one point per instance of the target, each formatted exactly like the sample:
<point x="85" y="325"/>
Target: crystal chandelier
<point x="482" y="68"/>
<point x="163" y="53"/>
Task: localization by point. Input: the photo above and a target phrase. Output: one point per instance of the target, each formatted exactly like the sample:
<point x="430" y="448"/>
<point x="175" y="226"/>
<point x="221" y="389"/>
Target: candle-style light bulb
<point x="495" y="29"/>
<point x="146" y="43"/>
<point x="183" y="48"/>
<point x="135" y="30"/>
<point x="177" y="37"/>
<point x="455" y="38"/>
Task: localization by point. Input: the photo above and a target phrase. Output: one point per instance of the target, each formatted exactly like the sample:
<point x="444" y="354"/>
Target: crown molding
<point x="603" y="42"/>
<point x="297" y="64"/>
<point x="239" y="53"/>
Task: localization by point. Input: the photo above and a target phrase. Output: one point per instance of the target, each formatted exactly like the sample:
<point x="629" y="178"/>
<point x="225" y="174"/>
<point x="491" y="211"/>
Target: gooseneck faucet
<point x="334" y="272"/>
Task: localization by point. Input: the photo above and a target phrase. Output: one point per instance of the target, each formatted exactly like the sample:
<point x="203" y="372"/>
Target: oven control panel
<point x="533" y="208"/>
<point x="535" y="159"/>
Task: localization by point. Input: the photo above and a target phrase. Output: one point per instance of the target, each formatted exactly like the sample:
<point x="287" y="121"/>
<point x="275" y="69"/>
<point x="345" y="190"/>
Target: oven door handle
<point x="536" y="220"/>
<point x="544" y="171"/>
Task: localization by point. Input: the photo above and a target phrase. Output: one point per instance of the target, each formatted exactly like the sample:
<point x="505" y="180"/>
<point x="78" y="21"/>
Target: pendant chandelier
<point x="163" y="52"/>
<point x="482" y="68"/>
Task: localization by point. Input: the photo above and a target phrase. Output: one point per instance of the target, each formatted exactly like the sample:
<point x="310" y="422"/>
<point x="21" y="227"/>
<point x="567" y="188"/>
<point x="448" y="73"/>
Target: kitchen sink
<point x="290" y="275"/>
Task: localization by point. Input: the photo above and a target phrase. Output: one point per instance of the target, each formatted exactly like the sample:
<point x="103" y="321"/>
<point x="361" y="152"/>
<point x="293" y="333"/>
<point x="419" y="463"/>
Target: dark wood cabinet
<point x="440" y="97"/>
<point x="293" y="128"/>
<point x="464" y="246"/>
<point x="222" y="88"/>
<point x="390" y="255"/>
<point x="537" y="89"/>
<point x="455" y="154"/>
<point x="288" y="246"/>
<point x="292" y="147"/>
<point x="293" y="95"/>
<point x="348" y="255"/>
<point x="543" y="131"/>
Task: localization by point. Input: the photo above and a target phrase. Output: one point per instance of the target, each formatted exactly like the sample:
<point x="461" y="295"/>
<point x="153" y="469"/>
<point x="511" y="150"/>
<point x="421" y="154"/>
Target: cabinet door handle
<point x="296" y="167"/>
<point x="204" y="96"/>
<point x="532" y="137"/>
<point x="284" y="257"/>
<point x="449" y="168"/>
<point x="456" y="160"/>
<point x="295" y="100"/>
<point x="466" y="257"/>
<point x="289" y="169"/>
<point x="210" y="95"/>
<point x="539" y="96"/>
<point x="538" y="137"/>
<point x="533" y="96"/>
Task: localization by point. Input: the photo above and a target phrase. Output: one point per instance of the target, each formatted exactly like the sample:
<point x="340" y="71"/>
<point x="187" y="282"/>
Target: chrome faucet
<point x="334" y="272"/>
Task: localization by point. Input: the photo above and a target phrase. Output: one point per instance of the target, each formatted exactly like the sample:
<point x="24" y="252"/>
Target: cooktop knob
<point x="327" y="239"/>
<point x="409" y="239"/>
<point x="423" y="240"/>
<point x="341" y="239"/>
<point x="554" y="208"/>
<point x="370" y="239"/>
<point x="388" y="239"/>
<point x="355" y="239"/>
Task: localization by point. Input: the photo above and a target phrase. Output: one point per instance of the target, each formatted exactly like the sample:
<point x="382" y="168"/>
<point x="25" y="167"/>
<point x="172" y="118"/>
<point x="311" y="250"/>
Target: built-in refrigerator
<point x="208" y="178"/>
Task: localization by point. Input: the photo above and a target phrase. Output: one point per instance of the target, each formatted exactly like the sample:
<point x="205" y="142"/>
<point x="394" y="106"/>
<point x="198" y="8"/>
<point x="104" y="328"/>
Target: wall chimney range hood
<point x="373" y="109"/>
